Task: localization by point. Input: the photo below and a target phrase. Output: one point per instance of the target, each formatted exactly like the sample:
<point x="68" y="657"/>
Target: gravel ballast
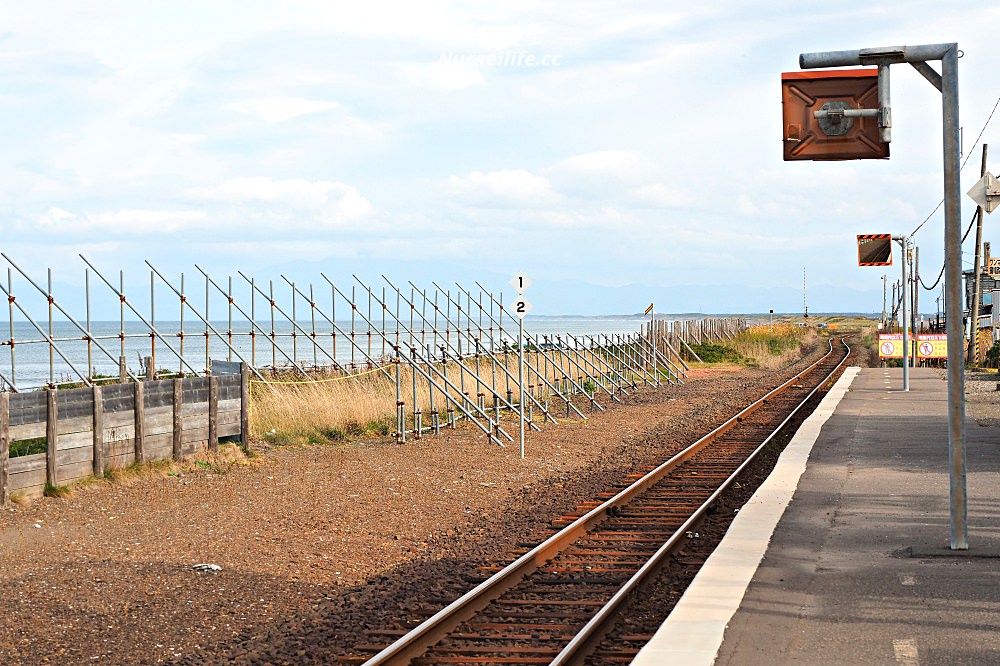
<point x="315" y="545"/>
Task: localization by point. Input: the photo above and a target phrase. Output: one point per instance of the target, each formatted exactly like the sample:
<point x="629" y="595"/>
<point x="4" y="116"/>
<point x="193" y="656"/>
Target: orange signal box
<point x="836" y="136"/>
<point x="874" y="249"/>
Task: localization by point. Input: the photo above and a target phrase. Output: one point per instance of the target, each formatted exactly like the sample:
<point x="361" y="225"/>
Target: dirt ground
<point x="307" y="535"/>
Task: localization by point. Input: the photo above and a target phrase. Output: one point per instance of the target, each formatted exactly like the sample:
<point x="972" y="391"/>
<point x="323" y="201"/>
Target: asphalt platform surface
<point x="844" y="555"/>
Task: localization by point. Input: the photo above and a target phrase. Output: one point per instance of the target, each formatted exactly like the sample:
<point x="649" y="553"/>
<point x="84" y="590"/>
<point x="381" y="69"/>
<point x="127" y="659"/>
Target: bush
<point x="713" y="353"/>
<point x="993" y="356"/>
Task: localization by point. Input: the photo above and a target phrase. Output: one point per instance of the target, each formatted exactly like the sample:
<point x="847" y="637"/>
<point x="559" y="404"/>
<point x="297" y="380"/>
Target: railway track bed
<point x="558" y="602"/>
<point x="352" y="624"/>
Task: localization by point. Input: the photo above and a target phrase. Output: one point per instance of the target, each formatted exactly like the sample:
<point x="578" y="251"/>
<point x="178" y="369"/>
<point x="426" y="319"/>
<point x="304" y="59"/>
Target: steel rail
<point x="588" y="637"/>
<point x="429" y="632"/>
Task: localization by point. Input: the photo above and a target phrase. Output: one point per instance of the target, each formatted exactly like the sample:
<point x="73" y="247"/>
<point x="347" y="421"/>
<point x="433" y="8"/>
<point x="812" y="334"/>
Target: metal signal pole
<point x="946" y="82"/>
<point x="977" y="292"/>
<point x="904" y="241"/>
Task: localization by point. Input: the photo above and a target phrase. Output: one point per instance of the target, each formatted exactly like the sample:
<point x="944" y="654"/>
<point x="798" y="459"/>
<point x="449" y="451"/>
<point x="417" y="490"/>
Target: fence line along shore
<point x="449" y="354"/>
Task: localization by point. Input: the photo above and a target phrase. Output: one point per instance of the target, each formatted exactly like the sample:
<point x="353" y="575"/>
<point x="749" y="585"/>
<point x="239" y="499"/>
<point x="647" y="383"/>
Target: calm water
<point x="32" y="359"/>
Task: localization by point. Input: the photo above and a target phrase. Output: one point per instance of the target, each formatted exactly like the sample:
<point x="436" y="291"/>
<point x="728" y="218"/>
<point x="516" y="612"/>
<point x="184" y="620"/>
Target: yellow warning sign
<point x="890" y="345"/>
<point x="932" y="346"/>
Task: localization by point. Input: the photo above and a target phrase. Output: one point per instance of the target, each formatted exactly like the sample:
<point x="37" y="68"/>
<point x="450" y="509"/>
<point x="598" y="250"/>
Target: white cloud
<point x="130" y="222"/>
<point x="617" y="164"/>
<point x="279" y="109"/>
<point x="657" y="195"/>
<point x="442" y="75"/>
<point x="335" y="201"/>
<point x="503" y="189"/>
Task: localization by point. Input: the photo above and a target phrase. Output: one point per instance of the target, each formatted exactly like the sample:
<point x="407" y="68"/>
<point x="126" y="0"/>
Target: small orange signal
<point x="874" y="249"/>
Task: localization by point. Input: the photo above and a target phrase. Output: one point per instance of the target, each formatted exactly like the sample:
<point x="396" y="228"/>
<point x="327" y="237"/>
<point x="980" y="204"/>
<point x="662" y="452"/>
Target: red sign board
<point x="834" y="137"/>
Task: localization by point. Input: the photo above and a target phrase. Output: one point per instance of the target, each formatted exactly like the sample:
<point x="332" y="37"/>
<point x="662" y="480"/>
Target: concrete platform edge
<point x="692" y="634"/>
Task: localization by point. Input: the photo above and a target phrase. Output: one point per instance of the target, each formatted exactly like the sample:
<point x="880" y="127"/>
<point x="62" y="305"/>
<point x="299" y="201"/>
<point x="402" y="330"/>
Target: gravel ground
<point x="312" y="541"/>
<point x="982" y="397"/>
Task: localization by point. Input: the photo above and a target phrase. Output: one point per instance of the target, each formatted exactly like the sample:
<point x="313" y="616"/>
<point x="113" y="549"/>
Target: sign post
<point x="876" y="250"/>
<point x="903" y="241"/>
<point x="946" y="82"/>
<point x="652" y="337"/>
<point x="986" y="193"/>
<point x="520" y="307"/>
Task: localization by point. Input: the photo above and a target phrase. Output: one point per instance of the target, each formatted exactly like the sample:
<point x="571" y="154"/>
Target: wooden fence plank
<point x="159" y="423"/>
<point x="51" y="416"/>
<point x="22" y="464"/>
<point x="27" y="408"/>
<point x="229" y="429"/>
<point x="75" y="403"/>
<point x="30" y="482"/>
<point x="73" y="456"/>
<point x="139" y="420"/>
<point x="119" y="419"/>
<point x="76" y="424"/>
<point x="27" y="430"/>
<point x="98" y="433"/>
<point x="4" y="449"/>
<point x="76" y="471"/>
<point x="178" y="430"/>
<point x="160" y="447"/>
<point x="194" y="408"/>
<point x="92" y="429"/>
<point x="119" y="398"/>
<point x="75" y="440"/>
<point x="228" y="405"/>
<point x="160" y="393"/>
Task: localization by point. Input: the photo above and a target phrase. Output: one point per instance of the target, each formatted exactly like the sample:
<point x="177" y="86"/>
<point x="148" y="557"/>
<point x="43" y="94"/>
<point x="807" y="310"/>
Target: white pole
<point x="520" y="380"/>
<point x="652" y="334"/>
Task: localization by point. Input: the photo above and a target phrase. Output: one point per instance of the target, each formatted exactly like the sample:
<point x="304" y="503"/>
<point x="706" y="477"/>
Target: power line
<point x="964" y="236"/>
<point x="966" y="161"/>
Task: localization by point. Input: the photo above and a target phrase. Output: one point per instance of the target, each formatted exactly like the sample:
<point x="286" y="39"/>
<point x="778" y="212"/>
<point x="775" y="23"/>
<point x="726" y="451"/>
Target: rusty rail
<point x="414" y="644"/>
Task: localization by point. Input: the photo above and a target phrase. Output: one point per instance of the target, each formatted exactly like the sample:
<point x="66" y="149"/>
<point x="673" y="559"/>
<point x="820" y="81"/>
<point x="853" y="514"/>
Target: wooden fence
<point x="88" y="430"/>
<point x="672" y="336"/>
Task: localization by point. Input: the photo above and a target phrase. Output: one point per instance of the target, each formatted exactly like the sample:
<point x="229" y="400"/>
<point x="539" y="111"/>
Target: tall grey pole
<point x="953" y="284"/>
<point x="947" y="83"/>
<point x="903" y="242"/>
<point x="884" y="276"/>
<point x="915" y="294"/>
<point x="977" y="291"/>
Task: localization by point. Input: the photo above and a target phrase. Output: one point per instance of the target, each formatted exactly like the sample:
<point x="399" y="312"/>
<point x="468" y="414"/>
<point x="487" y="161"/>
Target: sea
<point x="31" y="362"/>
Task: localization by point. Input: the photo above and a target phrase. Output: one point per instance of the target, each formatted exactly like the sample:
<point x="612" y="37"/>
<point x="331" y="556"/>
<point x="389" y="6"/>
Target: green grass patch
<point x="52" y="490"/>
<point x="27" y="447"/>
<point x="715" y="353"/>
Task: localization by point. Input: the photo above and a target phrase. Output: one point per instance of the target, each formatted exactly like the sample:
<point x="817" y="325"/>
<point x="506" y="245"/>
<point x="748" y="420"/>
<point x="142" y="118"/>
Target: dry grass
<point x="764" y="346"/>
<point x="344" y="408"/>
<point x="773" y="349"/>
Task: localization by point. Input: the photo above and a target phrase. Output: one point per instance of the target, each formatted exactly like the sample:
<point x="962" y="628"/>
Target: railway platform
<point x="842" y="556"/>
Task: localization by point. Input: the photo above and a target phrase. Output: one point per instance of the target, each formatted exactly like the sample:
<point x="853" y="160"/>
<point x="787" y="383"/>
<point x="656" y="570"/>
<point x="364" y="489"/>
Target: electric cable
<point x="966" y="161"/>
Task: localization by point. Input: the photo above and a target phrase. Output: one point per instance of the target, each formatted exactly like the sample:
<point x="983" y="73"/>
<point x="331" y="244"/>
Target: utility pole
<point x="805" y="308"/>
<point x="904" y="242"/>
<point x="916" y="292"/>
<point x="884" y="279"/>
<point x="977" y="268"/>
<point x="894" y="306"/>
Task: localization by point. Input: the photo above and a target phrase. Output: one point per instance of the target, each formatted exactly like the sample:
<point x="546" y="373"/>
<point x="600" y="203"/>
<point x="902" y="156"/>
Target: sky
<point x="615" y="153"/>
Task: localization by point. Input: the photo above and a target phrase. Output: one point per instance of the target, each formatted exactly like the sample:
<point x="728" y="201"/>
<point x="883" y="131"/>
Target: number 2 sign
<point x="520" y="306"/>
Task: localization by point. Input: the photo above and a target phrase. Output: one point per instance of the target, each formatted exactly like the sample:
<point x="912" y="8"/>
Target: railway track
<point x="559" y="598"/>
